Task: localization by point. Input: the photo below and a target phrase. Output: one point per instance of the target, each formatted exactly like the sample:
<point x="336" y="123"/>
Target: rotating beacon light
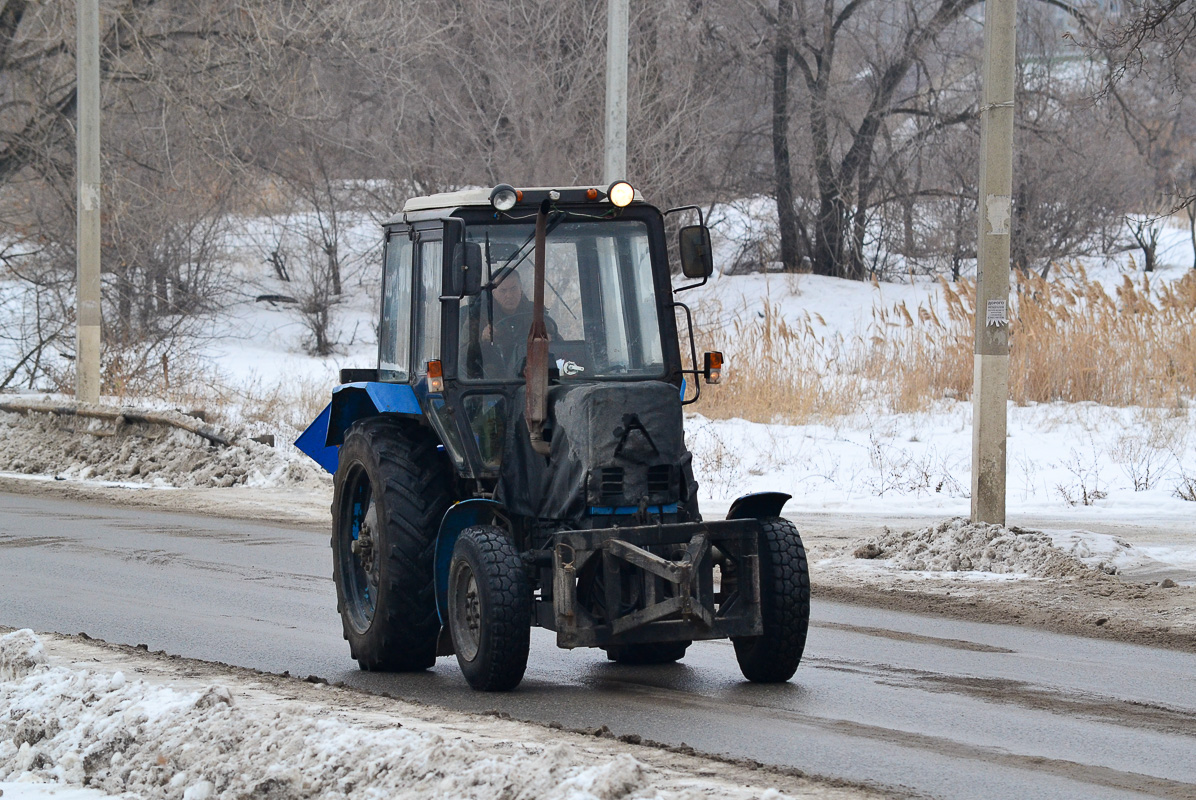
<point x="621" y="194"/>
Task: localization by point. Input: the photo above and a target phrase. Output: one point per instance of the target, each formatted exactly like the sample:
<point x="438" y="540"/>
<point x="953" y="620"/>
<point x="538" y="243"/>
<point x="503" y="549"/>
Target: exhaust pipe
<point x="535" y="370"/>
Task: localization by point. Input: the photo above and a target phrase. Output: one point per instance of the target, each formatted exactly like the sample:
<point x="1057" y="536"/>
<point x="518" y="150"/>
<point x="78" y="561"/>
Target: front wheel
<point x="773" y="656"/>
<point x="489" y="609"/>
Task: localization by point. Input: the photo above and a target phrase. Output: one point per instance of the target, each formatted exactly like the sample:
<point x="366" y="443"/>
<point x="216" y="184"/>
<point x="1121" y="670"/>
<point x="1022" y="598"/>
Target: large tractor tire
<point x="773" y="656"/>
<point x="648" y="653"/>
<point x="391" y="490"/>
<point x="489" y="609"/>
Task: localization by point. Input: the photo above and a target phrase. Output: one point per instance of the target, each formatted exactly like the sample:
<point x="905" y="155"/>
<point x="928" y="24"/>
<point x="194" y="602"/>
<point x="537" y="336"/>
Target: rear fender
<point x="351" y="402"/>
<point x="761" y="505"/>
<point x="459" y="517"/>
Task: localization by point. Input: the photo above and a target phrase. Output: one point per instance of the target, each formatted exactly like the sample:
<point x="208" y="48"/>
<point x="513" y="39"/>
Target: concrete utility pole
<point x="87" y="231"/>
<point x="615" y="162"/>
<point x="990" y="391"/>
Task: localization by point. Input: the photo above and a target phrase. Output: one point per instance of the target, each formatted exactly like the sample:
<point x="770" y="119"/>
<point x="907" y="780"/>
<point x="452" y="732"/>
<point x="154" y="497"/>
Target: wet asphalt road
<point x="947" y="708"/>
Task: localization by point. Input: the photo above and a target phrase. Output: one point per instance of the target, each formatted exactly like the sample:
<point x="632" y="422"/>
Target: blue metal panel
<point x="390" y="398"/>
<point x="351" y="402"/>
<point x="459" y="517"/>
<point x="760" y="505"/>
<point x="354" y="401"/>
<point x="312" y="442"/>
<point x="610" y="511"/>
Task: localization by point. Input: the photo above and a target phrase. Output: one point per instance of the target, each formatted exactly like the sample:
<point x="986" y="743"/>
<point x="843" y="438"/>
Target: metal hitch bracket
<point x="674" y="598"/>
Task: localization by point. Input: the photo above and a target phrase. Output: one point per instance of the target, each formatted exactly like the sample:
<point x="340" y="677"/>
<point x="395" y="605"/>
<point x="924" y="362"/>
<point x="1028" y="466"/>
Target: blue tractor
<point x="518" y="459"/>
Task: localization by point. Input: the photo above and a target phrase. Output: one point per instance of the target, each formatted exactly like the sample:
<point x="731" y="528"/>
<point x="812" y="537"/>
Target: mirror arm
<point x="701" y="219"/>
<point x="693" y="353"/>
<point x="691" y="286"/>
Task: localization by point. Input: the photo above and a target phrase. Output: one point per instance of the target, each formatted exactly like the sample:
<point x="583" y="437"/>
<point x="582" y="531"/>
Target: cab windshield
<point x="599" y="303"/>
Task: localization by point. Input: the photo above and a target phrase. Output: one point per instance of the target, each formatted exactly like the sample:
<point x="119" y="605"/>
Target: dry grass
<point x="1070" y="341"/>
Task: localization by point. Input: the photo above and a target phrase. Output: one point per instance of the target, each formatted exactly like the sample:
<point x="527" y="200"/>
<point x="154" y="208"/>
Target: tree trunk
<point x="833" y="225"/>
<point x="162" y="292"/>
<point x="783" y="175"/>
<point x="857" y="268"/>
<point x="1191" y="208"/>
<point x="334" y="265"/>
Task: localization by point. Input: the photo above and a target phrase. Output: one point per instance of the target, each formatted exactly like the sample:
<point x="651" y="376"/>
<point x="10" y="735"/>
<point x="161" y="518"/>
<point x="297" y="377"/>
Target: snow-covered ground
<point x="76" y="714"/>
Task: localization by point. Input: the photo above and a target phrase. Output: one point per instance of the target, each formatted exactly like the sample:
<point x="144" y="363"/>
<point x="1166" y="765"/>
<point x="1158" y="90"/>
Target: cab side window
<point x="394" y="339"/>
<point x="431" y="274"/>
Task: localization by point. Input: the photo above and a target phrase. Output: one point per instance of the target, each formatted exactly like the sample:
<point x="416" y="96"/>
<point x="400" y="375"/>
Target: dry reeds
<point x="1070" y="341"/>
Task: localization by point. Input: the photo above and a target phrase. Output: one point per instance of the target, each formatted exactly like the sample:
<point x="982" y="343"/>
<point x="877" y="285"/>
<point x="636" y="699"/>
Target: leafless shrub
<point x="1186" y="488"/>
<point x="1085" y="487"/>
<point x="35" y="320"/>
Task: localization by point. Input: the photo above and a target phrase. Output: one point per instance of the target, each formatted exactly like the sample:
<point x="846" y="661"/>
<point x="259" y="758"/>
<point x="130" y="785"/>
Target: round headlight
<point x="620" y="193"/>
<point x="503" y="197"/>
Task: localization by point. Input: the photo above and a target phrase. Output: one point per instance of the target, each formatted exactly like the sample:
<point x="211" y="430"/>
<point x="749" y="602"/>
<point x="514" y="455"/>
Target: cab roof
<point x="479" y="197"/>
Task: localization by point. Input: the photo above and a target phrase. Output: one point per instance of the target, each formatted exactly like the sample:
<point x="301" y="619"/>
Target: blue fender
<point x="351" y="402"/>
<point x="312" y="442"/>
<point x="459" y="517"/>
<point x="760" y="505"/>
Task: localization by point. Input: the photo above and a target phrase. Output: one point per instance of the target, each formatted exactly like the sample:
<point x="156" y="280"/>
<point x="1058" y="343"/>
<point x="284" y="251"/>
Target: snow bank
<point x="103" y="730"/>
<point x="958" y="545"/>
<point x="154" y="455"/>
<point x="20" y="654"/>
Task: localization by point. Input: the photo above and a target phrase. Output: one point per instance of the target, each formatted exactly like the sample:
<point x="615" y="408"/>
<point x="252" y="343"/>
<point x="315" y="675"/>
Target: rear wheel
<point x="773" y="656"/>
<point x="647" y="653"/>
<point x="391" y="489"/>
<point x="489" y="609"/>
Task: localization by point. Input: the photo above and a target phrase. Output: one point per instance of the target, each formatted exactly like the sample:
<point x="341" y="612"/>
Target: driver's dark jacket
<point x="510" y="328"/>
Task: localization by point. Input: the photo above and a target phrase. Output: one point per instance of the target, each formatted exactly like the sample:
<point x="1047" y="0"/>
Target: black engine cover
<point x="613" y="445"/>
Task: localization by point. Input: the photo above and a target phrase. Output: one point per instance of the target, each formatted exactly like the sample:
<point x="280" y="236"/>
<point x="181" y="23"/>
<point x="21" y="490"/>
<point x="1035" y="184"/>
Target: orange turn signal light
<point x="713" y="367"/>
<point x="591" y="194"/>
<point x="435" y="377"/>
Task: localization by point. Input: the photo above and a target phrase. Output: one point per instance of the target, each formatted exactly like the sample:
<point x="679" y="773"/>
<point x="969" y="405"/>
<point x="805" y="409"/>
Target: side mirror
<point x="467" y="269"/>
<point x="471" y="273"/>
<point x="697" y="259"/>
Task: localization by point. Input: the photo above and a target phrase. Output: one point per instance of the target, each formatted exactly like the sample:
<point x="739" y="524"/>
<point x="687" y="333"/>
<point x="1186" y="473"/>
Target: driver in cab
<point x="511" y="319"/>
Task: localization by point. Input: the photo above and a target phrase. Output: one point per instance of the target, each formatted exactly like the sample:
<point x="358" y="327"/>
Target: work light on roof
<point x="620" y="193"/>
<point x="503" y="197"/>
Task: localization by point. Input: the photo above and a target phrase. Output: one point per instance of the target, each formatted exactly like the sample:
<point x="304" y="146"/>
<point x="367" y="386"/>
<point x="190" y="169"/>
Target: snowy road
<point x="949" y="708"/>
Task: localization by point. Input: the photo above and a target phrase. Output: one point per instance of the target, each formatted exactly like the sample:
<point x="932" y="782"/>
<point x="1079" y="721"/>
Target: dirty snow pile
<point x="957" y="545"/>
<point x="100" y="729"/>
<point x="154" y="455"/>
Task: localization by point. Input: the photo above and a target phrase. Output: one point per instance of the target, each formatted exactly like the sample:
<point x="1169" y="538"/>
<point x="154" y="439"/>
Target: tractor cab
<point x="464" y="264"/>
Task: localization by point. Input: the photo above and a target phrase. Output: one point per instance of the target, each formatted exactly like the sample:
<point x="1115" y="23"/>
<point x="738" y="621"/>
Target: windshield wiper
<point x="507" y="268"/>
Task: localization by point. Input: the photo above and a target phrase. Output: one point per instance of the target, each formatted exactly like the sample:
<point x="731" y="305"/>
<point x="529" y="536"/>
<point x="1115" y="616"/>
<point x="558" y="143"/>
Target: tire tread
<point x="415" y="492"/>
<point x="773" y="657"/>
<point x="506" y="633"/>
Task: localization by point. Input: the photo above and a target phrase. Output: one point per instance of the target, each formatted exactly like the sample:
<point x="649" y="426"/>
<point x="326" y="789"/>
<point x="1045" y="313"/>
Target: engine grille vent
<point x="660" y="478"/>
<point x="610" y="482"/>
